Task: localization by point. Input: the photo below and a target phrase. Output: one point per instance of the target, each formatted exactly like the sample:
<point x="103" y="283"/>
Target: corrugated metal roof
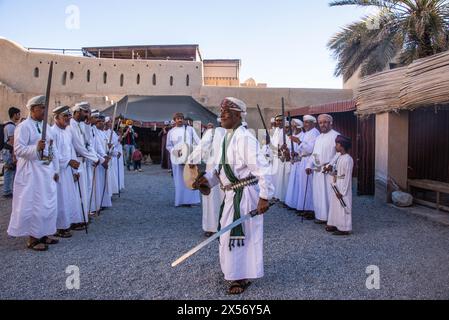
<point x="333" y="107"/>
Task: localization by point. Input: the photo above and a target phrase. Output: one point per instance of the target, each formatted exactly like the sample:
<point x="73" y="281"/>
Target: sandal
<point x="78" y="227"/>
<point x="63" y="234"/>
<point x="48" y="241"/>
<point x="238" y="287"/>
<point x="331" y="229"/>
<point x="341" y="233"/>
<point x="36" y="245"/>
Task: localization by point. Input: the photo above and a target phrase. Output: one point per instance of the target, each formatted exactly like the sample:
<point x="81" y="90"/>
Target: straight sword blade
<point x="47" y="102"/>
<point x="211" y="239"/>
<point x="228" y="228"/>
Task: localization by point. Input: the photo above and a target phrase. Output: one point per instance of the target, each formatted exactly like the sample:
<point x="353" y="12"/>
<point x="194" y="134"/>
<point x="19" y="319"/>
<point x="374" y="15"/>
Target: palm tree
<point x="402" y="29"/>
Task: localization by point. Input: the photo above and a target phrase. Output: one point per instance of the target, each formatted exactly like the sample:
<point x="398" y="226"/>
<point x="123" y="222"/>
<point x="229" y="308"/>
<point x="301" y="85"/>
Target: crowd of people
<point x="306" y="168"/>
<point x="62" y="180"/>
<point x="59" y="181"/>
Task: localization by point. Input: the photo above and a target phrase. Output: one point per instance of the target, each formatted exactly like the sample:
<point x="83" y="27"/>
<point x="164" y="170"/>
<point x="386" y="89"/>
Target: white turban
<point x="36" y="101"/>
<point x="298" y="123"/>
<point x="309" y="118"/>
<point x="107" y="119"/>
<point x="273" y="120"/>
<point x="236" y="104"/>
<point x="326" y="117"/>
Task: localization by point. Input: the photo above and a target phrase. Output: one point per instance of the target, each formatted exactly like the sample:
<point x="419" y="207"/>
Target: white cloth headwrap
<point x="273" y="120"/>
<point x="309" y="118"/>
<point x="239" y="105"/>
<point x="61" y="110"/>
<point x="81" y="106"/>
<point x="298" y="123"/>
<point x="36" y="101"/>
<point x="107" y="119"/>
<point x="327" y="117"/>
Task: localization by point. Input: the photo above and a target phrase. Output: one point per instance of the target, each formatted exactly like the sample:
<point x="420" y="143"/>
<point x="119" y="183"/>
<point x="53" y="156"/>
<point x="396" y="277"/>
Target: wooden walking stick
<point x="93" y="190"/>
<point x="305" y="197"/>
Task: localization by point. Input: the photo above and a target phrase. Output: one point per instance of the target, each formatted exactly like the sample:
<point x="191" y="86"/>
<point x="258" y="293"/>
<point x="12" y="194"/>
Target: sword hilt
<point x="255" y="212"/>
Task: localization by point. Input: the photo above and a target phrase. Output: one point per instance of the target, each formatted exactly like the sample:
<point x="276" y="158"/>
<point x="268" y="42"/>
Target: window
<point x="36" y="72"/>
<point x="88" y="75"/>
<point x="122" y="80"/>
<point x="64" y="78"/>
<point x="187" y="80"/>
<point x="72" y="75"/>
<point x="171" y="80"/>
<point x="154" y="79"/>
<point x="138" y="79"/>
<point x="105" y="77"/>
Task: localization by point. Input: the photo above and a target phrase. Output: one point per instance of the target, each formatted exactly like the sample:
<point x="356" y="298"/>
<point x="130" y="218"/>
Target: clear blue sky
<point x="282" y="43"/>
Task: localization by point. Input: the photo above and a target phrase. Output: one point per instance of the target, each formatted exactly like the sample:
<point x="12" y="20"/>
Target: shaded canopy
<point x="157" y="109"/>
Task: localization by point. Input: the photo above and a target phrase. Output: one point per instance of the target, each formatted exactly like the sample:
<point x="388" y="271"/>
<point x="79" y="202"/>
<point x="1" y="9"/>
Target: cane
<point x="305" y="197"/>
<point x="104" y="189"/>
<point x="93" y="189"/>
<point x="118" y="176"/>
<point x="82" y="205"/>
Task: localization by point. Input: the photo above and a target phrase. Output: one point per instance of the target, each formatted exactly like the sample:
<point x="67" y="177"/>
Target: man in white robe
<point x="322" y="155"/>
<point x="118" y="152"/>
<point x="305" y="192"/>
<point x="283" y="164"/>
<point x="291" y="198"/>
<point x="69" y="202"/>
<point x="86" y="156"/>
<point x="340" y="211"/>
<point x="101" y="198"/>
<point x="34" y="206"/>
<point x="209" y="151"/>
<point x="120" y="159"/>
<point x="241" y="250"/>
<point x="181" y="141"/>
<point x="112" y="187"/>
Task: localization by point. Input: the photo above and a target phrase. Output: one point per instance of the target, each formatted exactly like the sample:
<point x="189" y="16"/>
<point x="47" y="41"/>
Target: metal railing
<point x="71" y="52"/>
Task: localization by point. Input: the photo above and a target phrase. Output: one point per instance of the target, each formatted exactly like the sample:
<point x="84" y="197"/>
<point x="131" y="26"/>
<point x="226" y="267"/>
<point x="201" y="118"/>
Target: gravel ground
<point x="129" y="249"/>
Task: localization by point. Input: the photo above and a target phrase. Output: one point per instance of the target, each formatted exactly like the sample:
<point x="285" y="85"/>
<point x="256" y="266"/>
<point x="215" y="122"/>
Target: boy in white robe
<point x="181" y="141"/>
<point x="323" y="153"/>
<point x="340" y="210"/>
<point x="241" y="250"/>
<point x="34" y="206"/>
<point x="69" y="202"/>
